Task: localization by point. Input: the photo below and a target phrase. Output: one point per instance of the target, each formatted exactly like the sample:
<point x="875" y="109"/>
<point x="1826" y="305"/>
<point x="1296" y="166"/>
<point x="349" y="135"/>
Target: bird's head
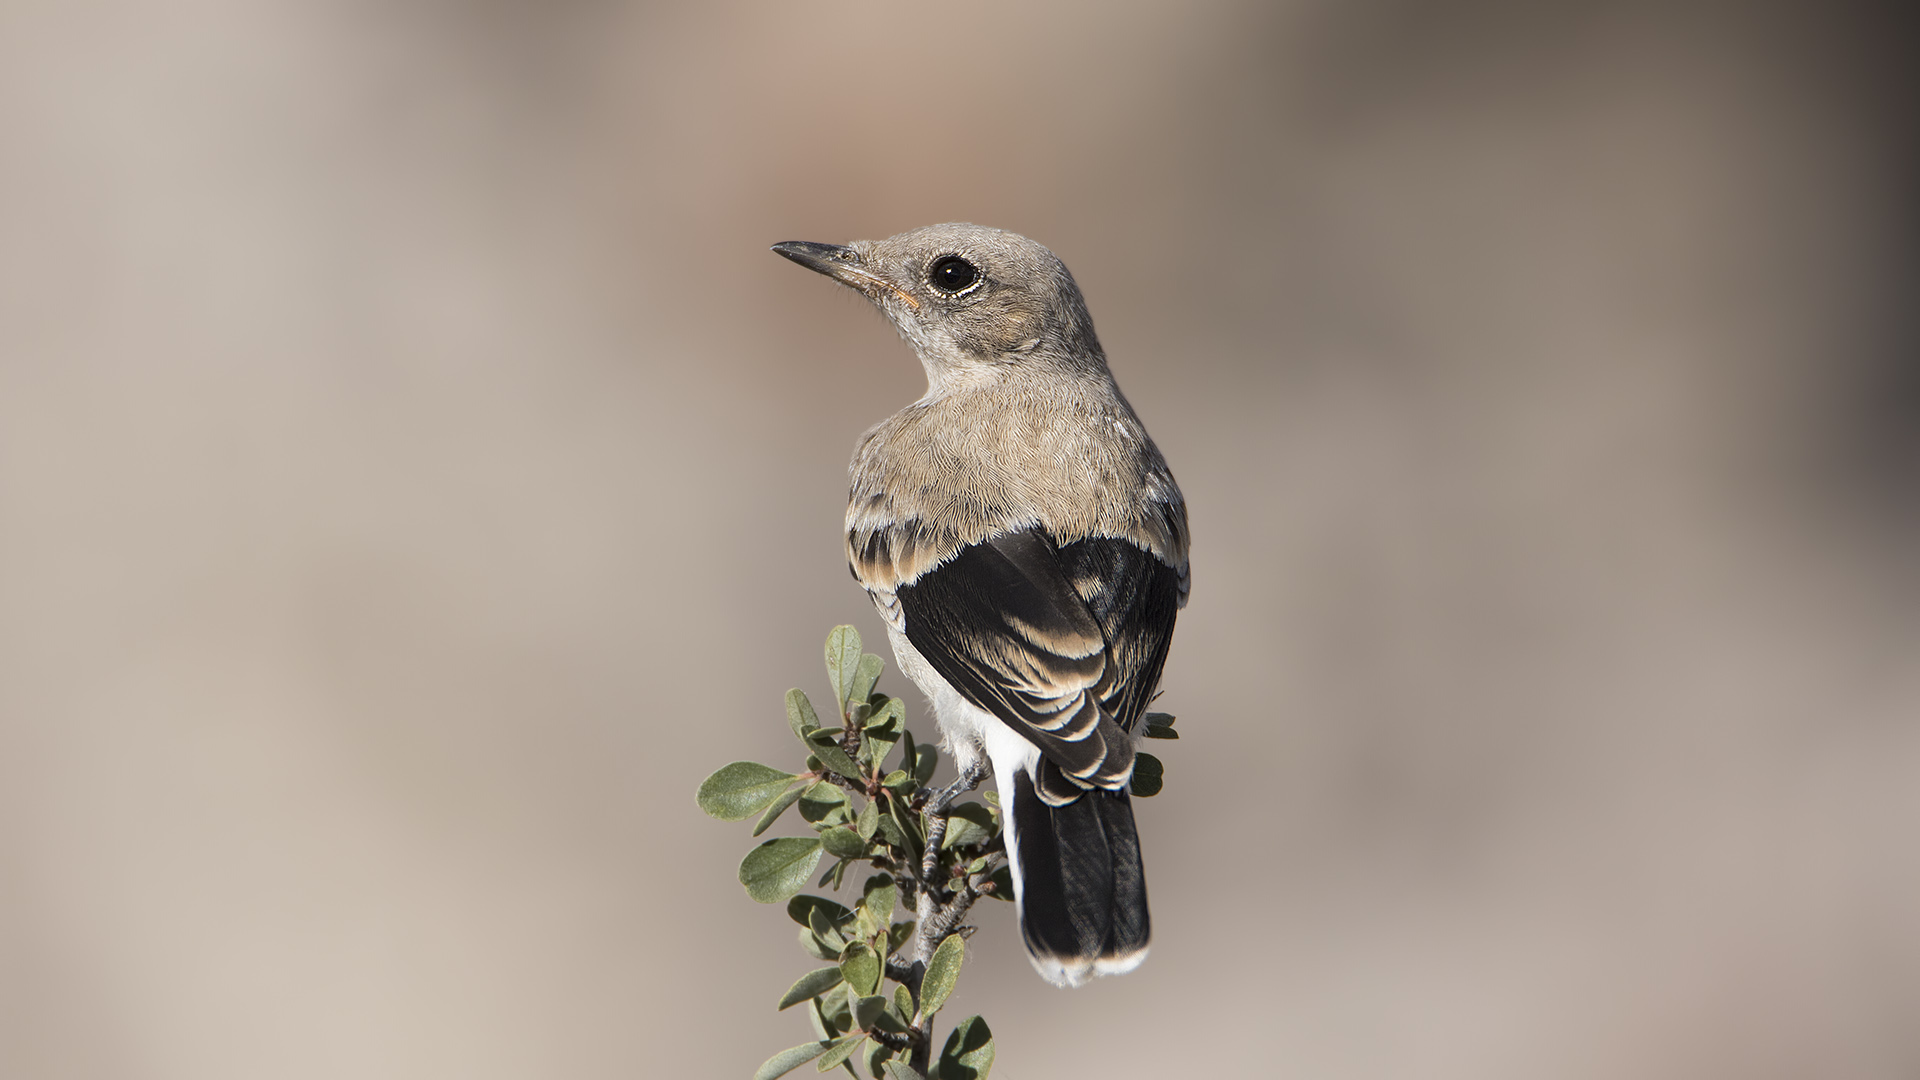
<point x="975" y="303"/>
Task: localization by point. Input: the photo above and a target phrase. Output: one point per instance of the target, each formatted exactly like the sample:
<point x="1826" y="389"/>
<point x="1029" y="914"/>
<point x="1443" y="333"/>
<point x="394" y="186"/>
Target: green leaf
<point x="872" y="1054"/>
<point x="869" y="819"/>
<point x="810" y="986"/>
<point x="884" y="728"/>
<point x="842" y="842"/>
<point x="884" y="1020"/>
<point x="878" y="896"/>
<point x="890" y="832"/>
<point x="834" y="1006"/>
<point x="786" y="799"/>
<point x="864" y="924"/>
<point x="1160" y="731"/>
<point x="825" y="744"/>
<point x="900" y="1070"/>
<point x="861" y="969"/>
<point x="909" y="823"/>
<point x="943" y="970"/>
<point x="843" y="662"/>
<point x="821" y="799"/>
<point x="1159" y="720"/>
<point x="909" y="755"/>
<point x="969" y="1051"/>
<point x="865" y="674"/>
<point x="924" y="763"/>
<point x="786" y="1061"/>
<point x="827" y="933"/>
<point x="868" y="1010"/>
<point x="843" y="1048"/>
<point x="800" y="909"/>
<point x="810" y="942"/>
<point x="800" y="715"/>
<point x="899" y="934"/>
<point x="777" y="869"/>
<point x="742" y="789"/>
<point x="903" y="1002"/>
<point x="818" y="1018"/>
<point x="968" y="823"/>
<point x="1148" y="775"/>
<point x="890" y="714"/>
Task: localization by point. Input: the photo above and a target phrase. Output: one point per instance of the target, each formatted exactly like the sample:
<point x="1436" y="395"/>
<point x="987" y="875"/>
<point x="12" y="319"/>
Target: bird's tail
<point x="1078" y="883"/>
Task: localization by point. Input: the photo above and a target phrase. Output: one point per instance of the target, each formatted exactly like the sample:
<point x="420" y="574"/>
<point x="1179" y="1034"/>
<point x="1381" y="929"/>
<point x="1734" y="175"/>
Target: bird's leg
<point x="969" y="779"/>
<point x="936" y="832"/>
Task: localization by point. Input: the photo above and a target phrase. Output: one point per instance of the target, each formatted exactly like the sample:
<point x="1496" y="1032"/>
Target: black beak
<point x="825" y="259"/>
<point x="842" y="264"/>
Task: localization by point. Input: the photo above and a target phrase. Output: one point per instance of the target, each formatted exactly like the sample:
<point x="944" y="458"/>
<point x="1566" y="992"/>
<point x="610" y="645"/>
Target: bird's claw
<point x="967" y="781"/>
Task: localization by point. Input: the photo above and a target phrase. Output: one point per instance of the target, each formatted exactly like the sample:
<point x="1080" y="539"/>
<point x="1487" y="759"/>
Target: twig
<point x="937" y="909"/>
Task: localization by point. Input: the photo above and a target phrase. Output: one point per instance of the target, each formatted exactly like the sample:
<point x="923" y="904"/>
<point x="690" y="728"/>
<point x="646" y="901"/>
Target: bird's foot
<point x="967" y="781"/>
<point x="937" y="816"/>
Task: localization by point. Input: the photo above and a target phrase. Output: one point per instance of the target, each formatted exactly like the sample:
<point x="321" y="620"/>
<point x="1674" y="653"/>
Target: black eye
<point x="952" y="273"/>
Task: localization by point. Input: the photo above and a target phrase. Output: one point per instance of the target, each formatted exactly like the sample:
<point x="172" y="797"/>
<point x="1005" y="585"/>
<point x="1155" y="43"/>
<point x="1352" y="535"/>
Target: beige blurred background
<point x="416" y="475"/>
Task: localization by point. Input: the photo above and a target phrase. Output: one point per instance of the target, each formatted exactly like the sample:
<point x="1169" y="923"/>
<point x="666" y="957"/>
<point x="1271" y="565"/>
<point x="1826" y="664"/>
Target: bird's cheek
<point x="1013" y="328"/>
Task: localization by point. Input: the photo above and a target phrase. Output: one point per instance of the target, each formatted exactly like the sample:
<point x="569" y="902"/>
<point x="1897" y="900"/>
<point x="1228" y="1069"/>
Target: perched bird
<point x="1027" y="546"/>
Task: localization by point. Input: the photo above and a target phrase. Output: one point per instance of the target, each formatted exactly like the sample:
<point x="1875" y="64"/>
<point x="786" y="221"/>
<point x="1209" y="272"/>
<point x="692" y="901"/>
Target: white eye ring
<point x="952" y="275"/>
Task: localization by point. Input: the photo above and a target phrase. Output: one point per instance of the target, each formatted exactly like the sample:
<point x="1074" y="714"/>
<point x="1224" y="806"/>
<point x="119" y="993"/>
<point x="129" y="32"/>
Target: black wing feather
<point x="1135" y="598"/>
<point x="1063" y="643"/>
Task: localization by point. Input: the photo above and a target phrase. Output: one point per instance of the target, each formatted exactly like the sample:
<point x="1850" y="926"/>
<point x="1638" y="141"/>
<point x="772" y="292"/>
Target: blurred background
<point x="416" y="475"/>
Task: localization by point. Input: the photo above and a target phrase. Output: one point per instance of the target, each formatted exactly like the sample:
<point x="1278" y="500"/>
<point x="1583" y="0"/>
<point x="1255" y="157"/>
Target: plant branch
<point x="861" y="813"/>
<point x="939" y="910"/>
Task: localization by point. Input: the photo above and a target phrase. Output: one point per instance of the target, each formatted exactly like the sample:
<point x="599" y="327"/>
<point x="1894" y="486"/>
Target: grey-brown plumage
<point x="1027" y="546"/>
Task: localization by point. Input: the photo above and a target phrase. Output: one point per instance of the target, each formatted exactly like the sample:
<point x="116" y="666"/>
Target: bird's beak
<point x="841" y="264"/>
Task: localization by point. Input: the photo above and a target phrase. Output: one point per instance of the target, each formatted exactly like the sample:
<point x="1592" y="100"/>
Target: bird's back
<point x="954" y="470"/>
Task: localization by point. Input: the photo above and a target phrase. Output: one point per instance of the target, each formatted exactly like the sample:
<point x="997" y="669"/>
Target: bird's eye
<point x="952" y="273"/>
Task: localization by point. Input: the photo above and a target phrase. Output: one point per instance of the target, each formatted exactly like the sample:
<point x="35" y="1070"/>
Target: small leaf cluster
<point x="931" y="860"/>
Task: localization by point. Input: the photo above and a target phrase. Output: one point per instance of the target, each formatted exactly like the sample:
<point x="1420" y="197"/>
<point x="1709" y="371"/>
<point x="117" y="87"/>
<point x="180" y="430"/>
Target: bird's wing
<point x="1135" y="597"/>
<point x="1064" y="644"/>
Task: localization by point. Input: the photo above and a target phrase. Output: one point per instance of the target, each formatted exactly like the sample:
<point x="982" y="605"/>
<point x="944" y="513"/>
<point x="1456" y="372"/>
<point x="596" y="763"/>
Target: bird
<point x="1025" y="543"/>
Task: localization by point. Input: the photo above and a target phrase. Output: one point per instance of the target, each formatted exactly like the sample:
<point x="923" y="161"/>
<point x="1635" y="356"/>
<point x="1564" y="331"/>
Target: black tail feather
<point x="1083" y="894"/>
